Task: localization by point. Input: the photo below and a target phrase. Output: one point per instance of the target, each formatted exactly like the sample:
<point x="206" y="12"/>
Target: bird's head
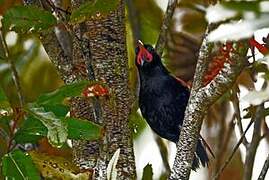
<point x="146" y="56"/>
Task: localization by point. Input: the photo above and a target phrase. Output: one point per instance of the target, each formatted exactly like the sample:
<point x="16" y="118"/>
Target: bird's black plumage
<point x="163" y="99"/>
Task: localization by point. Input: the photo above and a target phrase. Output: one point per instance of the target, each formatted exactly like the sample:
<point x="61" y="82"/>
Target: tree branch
<point x="252" y="148"/>
<point x="166" y="23"/>
<point x="199" y="102"/>
<point x="163" y="151"/>
<point x="235" y="102"/>
<point x="216" y="176"/>
<point x="185" y="151"/>
<point x="222" y="148"/>
<point x="264" y="169"/>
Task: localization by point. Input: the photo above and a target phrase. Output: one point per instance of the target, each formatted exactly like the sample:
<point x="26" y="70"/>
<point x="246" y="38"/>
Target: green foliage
<point x="57" y="96"/>
<point x="93" y="8"/>
<point x="2" y="95"/>
<point x="27" y="19"/>
<point x="241" y="6"/>
<point x="59" y="110"/>
<point x="150" y="19"/>
<point x="22" y="58"/>
<point x="4" y="134"/>
<point x="47" y="118"/>
<point x="4" y="126"/>
<point x="3" y="99"/>
<point x="31" y="130"/>
<point x="18" y="165"/>
<point x="147" y="172"/>
<point x="57" y="128"/>
<point x="137" y="124"/>
<point x="82" y="129"/>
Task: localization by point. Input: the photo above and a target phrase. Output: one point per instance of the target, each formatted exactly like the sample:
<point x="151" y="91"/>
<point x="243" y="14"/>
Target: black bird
<point x="163" y="99"/>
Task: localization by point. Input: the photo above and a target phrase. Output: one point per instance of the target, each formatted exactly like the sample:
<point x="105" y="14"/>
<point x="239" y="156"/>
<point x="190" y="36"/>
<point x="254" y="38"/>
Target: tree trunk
<point x="96" y="50"/>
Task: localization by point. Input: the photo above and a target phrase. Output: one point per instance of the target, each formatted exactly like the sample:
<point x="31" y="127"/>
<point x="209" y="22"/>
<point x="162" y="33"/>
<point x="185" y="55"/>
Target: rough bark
<point x="108" y="49"/>
<point x="199" y="102"/>
<point x="96" y="50"/>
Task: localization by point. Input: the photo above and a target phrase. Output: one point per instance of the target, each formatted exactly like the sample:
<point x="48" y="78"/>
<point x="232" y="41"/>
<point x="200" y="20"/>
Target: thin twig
<point x="224" y="144"/>
<point x="163" y="152"/>
<point x="264" y="169"/>
<point x="166" y="23"/>
<point x="235" y="102"/>
<point x="15" y="75"/>
<point x="258" y="117"/>
<point x="233" y="152"/>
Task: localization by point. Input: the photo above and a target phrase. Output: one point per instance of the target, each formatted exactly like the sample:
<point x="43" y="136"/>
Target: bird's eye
<point x="150" y="49"/>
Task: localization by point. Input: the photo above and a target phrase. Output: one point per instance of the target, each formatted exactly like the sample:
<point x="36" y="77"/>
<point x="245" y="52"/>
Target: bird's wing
<point x="182" y="82"/>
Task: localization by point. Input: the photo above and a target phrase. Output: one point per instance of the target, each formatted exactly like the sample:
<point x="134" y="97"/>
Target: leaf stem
<point x="15" y="75"/>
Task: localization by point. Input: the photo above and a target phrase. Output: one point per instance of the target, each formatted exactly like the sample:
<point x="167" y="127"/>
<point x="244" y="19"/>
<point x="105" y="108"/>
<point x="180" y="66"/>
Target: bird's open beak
<point x="142" y="49"/>
<point x="140" y="44"/>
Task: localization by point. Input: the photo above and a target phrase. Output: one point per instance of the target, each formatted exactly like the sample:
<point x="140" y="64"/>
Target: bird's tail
<point x="201" y="155"/>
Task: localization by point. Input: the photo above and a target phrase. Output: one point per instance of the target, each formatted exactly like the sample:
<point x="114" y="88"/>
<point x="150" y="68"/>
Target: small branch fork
<point x="200" y="100"/>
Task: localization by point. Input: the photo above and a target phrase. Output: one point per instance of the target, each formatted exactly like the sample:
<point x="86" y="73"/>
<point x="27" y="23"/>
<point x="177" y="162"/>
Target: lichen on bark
<point x="96" y="50"/>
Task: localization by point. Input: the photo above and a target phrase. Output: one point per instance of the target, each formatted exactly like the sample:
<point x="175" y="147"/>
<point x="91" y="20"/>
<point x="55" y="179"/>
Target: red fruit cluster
<point x="95" y="90"/>
<point x="218" y="62"/>
<point x="261" y="47"/>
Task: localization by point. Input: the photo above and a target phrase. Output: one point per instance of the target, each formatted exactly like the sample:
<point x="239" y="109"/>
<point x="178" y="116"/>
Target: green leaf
<point x="241" y="6"/>
<point x="57" y="128"/>
<point x="57" y="96"/>
<point x="58" y="109"/>
<point x="4" y="126"/>
<point x="4" y="103"/>
<point x="266" y="111"/>
<point x="150" y="21"/>
<point x="147" y="172"/>
<point x="82" y="129"/>
<point x="18" y="165"/>
<point x="23" y="19"/>
<point x="31" y="130"/>
<point x="4" y="134"/>
<point x="137" y="124"/>
<point x="92" y="8"/>
<point x="3" y="97"/>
